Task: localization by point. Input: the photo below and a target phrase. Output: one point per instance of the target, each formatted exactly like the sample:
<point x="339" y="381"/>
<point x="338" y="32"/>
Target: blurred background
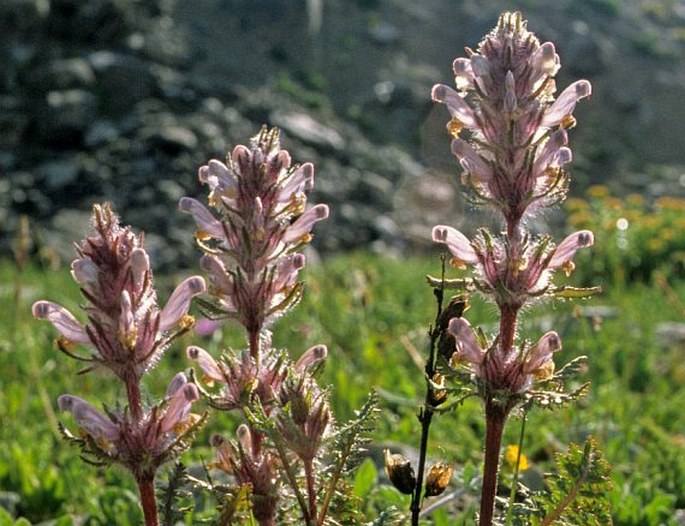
<point x="123" y="100"/>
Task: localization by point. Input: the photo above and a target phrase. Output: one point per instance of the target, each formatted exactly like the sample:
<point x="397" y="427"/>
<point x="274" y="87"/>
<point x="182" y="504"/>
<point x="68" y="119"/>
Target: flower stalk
<point x="126" y="334"/>
<point x="510" y="136"/>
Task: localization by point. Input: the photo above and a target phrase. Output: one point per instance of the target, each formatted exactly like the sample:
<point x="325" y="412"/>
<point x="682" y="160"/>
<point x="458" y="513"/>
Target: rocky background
<point x="124" y="99"/>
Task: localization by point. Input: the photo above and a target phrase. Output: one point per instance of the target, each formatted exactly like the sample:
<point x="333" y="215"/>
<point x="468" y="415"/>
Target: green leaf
<point x="365" y="478"/>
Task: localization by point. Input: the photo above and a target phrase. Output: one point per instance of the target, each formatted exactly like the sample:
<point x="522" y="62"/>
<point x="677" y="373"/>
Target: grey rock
<point x="67" y="115"/>
<point x="308" y="130"/>
<point x="58" y="174"/>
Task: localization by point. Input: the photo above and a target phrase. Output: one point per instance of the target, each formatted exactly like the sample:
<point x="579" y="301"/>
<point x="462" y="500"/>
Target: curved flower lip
<point x="566" y="103"/>
<point x="208" y="364"/>
<point x="204" y="219"/>
<point x="179" y="302"/>
<point x="569" y="246"/>
<point x="303" y="225"/>
<point x="542" y="351"/>
<point x="467" y="345"/>
<point x="87" y="417"/>
<point x="456" y="105"/>
<point x="63" y="320"/>
<point x="140" y="264"/>
<point x="457" y="243"/>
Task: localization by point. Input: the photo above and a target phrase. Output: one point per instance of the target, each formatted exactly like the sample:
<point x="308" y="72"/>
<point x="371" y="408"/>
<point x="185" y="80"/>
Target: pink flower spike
<point x="84" y="271"/>
<point x="456" y="105"/>
<point x="471" y="160"/>
<point x="179" y="302"/>
<point x="566" y="103"/>
<point x="206" y="363"/>
<point x="457" y="243"/>
<point x="88" y="418"/>
<point x="310" y="357"/>
<point x="204" y="219"/>
<point x="303" y="225"/>
<point x="542" y="351"/>
<point x="569" y="246"/>
<point x="179" y="407"/>
<point x="62" y="319"/>
<point x="467" y="346"/>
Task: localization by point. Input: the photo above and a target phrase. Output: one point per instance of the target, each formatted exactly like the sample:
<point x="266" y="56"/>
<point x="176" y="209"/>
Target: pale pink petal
<point x="569" y="246"/>
<point x="566" y="103"/>
<point x="179" y="407"/>
<point x="204" y="219"/>
<point x="84" y="271"/>
<point x="288" y="269"/>
<point x="92" y="421"/>
<point x="301" y="180"/>
<point x="542" y="352"/>
<point x="62" y="319"/>
<point x="179" y="302"/>
<point x="457" y="243"/>
<point x="206" y="363"/>
<point x="471" y="160"/>
<point x="140" y="266"/>
<point x="467" y="345"/>
<point x="548" y="152"/>
<point x="178" y="381"/>
<point x="455" y="104"/>
<point x="303" y="225"/>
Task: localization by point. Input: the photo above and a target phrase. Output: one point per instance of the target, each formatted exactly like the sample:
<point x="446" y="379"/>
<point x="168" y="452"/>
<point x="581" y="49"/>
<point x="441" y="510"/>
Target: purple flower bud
<point x="179" y="302"/>
<point x="62" y="320"/>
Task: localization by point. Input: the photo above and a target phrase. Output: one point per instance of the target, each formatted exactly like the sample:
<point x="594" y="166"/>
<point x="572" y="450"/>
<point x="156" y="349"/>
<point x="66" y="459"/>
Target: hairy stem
<point x="311" y="490"/>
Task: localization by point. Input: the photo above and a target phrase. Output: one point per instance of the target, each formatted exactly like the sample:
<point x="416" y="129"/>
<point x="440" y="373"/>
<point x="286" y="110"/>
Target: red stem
<point x="311" y="491"/>
<point x="496" y="417"/>
<point x="148" y="500"/>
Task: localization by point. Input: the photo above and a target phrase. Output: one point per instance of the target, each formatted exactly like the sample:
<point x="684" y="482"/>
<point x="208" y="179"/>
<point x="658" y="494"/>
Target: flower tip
<point x="439" y="234"/>
<point x="40" y="309"/>
<point x="583" y="89"/>
<point x="586" y="238"/>
<point x="438" y="92"/>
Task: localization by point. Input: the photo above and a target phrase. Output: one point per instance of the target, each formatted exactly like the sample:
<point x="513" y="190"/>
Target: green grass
<point x="372" y="313"/>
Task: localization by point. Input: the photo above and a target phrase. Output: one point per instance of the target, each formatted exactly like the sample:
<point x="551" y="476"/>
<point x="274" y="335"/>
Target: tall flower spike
<point x="255" y="222"/>
<point x="505" y="104"/>
<point x="126" y="327"/>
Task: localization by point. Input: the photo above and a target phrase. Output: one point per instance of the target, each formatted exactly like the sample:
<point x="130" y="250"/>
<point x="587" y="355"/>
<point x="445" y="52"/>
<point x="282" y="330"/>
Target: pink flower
<point x="256" y="220"/>
<point x="125" y="326"/>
